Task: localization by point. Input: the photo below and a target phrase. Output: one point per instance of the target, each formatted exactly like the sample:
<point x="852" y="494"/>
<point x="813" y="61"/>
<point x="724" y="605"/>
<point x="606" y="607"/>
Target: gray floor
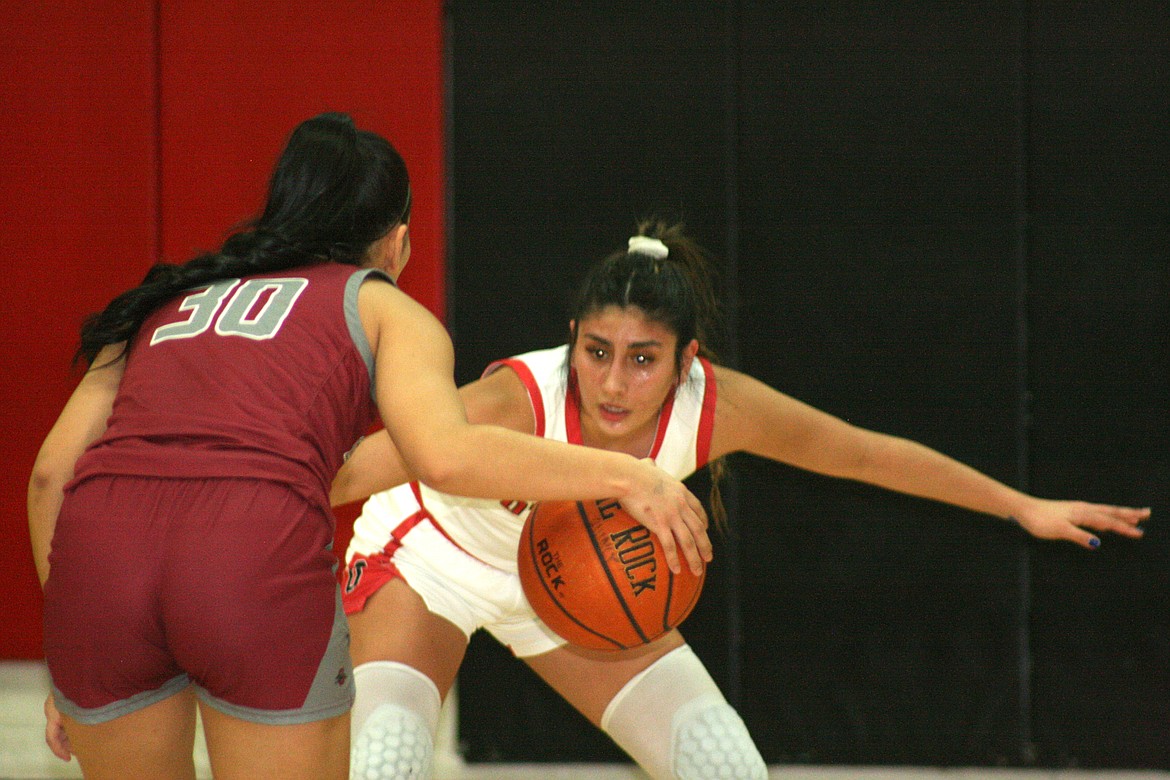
<point x="23" y="755"/>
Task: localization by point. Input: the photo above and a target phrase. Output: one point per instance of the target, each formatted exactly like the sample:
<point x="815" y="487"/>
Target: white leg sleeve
<point x="393" y="723"/>
<point x="672" y="719"/>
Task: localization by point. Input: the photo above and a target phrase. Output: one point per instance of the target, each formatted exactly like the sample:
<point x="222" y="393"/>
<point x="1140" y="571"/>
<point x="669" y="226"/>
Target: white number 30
<point x="237" y="318"/>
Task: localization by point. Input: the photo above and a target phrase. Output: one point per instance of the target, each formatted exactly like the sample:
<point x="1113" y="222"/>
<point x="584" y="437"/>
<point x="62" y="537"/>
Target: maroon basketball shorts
<point x="227" y="584"/>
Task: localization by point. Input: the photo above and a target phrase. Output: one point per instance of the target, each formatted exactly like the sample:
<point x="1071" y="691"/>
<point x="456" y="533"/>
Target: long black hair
<point x="677" y="291"/>
<point x="334" y="192"/>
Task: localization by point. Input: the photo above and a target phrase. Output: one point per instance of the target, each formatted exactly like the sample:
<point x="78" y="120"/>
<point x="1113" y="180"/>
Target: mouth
<point x="612" y="413"/>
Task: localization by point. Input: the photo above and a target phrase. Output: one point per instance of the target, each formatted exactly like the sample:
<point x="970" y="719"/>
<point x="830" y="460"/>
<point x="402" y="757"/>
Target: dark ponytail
<point x="334" y="192"/>
<point x="678" y="291"/>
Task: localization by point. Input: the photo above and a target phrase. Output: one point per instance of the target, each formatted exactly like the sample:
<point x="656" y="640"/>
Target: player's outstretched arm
<point x="753" y="417"/>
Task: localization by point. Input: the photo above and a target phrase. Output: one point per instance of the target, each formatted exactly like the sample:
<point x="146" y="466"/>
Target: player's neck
<point x="638" y="443"/>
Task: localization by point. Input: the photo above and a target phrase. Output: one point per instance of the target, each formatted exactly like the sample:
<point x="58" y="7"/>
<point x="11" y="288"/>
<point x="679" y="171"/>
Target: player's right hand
<point x="674" y="515"/>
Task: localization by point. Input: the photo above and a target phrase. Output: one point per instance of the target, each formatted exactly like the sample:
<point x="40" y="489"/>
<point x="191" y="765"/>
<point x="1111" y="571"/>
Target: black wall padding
<point x="943" y="221"/>
<point x="1100" y="368"/>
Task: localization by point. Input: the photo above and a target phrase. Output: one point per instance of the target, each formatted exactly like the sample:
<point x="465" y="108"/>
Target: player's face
<point x="626" y="367"/>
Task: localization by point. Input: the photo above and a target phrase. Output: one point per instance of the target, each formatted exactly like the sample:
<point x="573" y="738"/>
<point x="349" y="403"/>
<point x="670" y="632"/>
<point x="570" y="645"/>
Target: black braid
<point x="334" y="192"/>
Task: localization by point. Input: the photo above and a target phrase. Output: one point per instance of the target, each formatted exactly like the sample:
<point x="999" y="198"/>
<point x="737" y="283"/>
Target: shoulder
<point x="387" y="312"/>
<point x="381" y="298"/>
<point x="500" y="398"/>
<point x="734" y="394"/>
<point x="745" y="410"/>
<point x="732" y="384"/>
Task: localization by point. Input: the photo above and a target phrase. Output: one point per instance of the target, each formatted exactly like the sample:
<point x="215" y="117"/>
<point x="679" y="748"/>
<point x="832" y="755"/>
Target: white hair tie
<point x="649" y="246"/>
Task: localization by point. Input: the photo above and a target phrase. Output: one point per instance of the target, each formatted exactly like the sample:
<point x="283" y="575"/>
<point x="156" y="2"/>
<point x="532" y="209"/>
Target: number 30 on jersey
<point x="255" y="309"/>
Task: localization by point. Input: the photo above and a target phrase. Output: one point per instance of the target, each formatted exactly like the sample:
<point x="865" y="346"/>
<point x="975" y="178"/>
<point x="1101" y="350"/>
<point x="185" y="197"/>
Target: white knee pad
<point x="672" y="719"/>
<point x="393" y="723"/>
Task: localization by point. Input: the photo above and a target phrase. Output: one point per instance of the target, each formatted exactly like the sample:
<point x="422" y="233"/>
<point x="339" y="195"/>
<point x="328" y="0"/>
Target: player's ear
<point x="398" y="250"/>
<point x="688" y="357"/>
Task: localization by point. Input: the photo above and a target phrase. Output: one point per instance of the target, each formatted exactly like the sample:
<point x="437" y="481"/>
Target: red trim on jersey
<point x="663" y="422"/>
<point x="573" y="410"/>
<point x="424" y="513"/>
<point x="706" y="417"/>
<point x="403" y="528"/>
<point x="529" y="381"/>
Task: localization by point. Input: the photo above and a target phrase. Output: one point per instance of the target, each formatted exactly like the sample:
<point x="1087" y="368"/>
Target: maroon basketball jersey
<point x="267" y="376"/>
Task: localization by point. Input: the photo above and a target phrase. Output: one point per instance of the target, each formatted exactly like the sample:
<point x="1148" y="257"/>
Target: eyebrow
<point x="631" y="345"/>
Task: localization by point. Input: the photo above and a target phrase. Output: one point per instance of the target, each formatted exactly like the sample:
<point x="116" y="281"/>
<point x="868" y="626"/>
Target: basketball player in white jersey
<point x="426" y="569"/>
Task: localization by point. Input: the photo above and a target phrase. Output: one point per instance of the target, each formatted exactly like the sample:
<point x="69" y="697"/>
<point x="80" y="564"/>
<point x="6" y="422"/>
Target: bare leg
<point x="405" y="659"/>
<point x="157" y="742"/>
<point x="589" y="679"/>
<point x="660" y="705"/>
<point x="397" y="626"/>
<point x="304" y="751"/>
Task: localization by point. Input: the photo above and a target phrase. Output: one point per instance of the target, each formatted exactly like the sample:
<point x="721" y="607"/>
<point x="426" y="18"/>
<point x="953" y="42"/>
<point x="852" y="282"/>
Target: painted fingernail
<point x="1094" y="543"/>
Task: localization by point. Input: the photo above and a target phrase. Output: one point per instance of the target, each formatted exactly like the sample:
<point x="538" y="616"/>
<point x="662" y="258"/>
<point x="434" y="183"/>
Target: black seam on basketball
<point x="552" y="595"/>
<point x="669" y="597"/>
<point x="609" y="574"/>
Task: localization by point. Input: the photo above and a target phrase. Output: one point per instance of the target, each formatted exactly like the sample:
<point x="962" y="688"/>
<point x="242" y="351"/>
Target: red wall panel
<point x="136" y="128"/>
<point x="77" y="193"/>
<point x="236" y="78"/>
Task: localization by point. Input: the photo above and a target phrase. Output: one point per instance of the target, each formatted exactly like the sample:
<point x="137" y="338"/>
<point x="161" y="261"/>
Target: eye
<point x="643" y="359"/>
<point x="597" y="353"/>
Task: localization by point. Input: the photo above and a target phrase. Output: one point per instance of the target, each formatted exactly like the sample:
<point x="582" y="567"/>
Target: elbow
<point x="47" y="478"/>
<point x="449" y="462"/>
<point x="442" y="474"/>
<point x="340" y="495"/>
<point x="450" y="468"/>
<point x="346" y="487"/>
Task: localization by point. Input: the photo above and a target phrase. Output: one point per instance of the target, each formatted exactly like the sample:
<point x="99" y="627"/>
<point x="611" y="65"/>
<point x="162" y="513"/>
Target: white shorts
<point x="455" y="586"/>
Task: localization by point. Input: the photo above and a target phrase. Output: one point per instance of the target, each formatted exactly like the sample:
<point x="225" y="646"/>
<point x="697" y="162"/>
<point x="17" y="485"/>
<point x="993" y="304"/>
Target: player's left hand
<point x="55" y="736"/>
<point x="1074" y="521"/>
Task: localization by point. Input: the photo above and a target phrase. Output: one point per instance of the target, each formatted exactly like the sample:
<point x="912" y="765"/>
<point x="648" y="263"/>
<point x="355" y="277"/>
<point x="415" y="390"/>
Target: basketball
<point x="599" y="578"/>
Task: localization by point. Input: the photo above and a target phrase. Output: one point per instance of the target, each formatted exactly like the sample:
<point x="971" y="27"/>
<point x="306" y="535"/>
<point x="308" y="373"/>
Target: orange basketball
<point x="599" y="578"/>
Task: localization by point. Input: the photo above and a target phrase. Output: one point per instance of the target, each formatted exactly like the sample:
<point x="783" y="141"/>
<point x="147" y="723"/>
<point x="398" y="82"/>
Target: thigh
<point x="156" y="741"/>
<point x="589" y="679"/>
<point x="243" y="750"/>
<point x="395" y="625"/>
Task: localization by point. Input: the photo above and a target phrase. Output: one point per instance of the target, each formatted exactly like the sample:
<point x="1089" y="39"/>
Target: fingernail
<point x="1094" y="543"/>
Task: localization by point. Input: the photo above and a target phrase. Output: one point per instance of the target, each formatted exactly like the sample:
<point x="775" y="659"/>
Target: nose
<point x="614" y="381"/>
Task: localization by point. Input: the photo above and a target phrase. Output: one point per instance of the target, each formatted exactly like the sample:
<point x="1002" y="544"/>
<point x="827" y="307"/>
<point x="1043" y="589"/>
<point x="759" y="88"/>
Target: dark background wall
<point x="946" y="221"/>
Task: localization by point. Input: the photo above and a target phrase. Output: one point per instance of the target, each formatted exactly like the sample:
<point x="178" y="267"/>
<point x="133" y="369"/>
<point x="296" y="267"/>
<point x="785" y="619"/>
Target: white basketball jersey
<point x="490" y="529"/>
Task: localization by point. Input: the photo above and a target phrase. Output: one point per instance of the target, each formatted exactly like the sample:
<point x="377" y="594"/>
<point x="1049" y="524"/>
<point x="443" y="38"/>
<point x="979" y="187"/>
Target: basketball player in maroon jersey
<point x="427" y="569"/>
<point x="184" y="488"/>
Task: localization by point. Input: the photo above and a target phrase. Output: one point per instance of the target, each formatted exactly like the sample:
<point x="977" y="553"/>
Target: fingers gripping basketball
<point x="599" y="578"/>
